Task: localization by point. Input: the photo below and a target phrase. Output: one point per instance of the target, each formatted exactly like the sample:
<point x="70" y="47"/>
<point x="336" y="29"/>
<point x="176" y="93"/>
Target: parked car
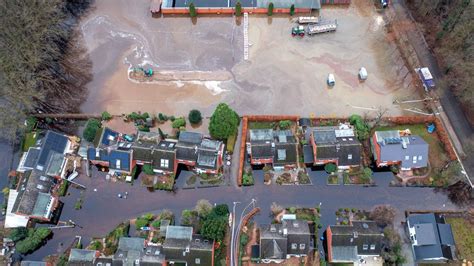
<point x="362" y="73"/>
<point x="331" y="80"/>
<point x="384" y="3"/>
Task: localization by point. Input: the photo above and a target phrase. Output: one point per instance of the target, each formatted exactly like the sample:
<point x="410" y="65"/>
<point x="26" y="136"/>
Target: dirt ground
<point x="284" y="75"/>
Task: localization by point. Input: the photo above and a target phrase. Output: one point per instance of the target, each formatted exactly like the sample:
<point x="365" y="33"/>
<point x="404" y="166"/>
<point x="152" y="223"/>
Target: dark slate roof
<point x="394" y="147"/>
<point x="143" y="152"/>
<point x="82" y="255"/>
<point x="190" y="137"/>
<point x="262" y="150"/>
<point x="272" y="248"/>
<point x="186" y="152"/>
<point x="52" y="142"/>
<point x="276" y="239"/>
<point x="104" y="261"/>
<point x="341" y="153"/>
<point x="32" y="157"/>
<point x="285" y="153"/>
<point x="33" y="194"/>
<point x="199" y="249"/>
<point x="365" y="235"/>
<point x="163" y="159"/>
<point x="118" y="155"/>
<point x="308" y="154"/>
<point x="434" y="237"/>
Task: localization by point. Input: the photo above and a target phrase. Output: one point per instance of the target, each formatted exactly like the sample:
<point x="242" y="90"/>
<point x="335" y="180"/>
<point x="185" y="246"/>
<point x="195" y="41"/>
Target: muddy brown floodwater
<point x="283" y="75"/>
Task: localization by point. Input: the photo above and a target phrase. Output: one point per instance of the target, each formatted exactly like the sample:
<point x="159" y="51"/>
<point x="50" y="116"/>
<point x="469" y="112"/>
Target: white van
<point x="331" y="80"/>
<point x="362" y="73"/>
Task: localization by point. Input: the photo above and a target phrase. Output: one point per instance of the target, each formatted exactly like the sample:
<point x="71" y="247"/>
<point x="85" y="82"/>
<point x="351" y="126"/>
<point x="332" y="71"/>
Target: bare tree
<point x="383" y="215"/>
<point x="203" y="207"/>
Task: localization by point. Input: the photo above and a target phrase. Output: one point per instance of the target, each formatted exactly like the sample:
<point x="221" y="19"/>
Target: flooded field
<point x="284" y="75"/>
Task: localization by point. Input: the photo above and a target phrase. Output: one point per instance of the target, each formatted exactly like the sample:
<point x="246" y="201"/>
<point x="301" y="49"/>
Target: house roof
<point x="52" y="142"/>
<point x="131" y="243"/>
<point x="55" y="164"/>
<point x="394" y="147"/>
<point x="365" y="236"/>
<point x="208" y="153"/>
<point x="120" y="160"/>
<point x="261" y="135"/>
<point x="285" y="153"/>
<point x="308" y="154"/>
<point x="106" y="138"/>
<point x="179" y="232"/>
<point x="32" y="157"/>
<point x="143" y="152"/>
<point x="82" y="255"/>
<point x="433" y="238"/>
<point x="273" y="248"/>
<point x="190" y="137"/>
<point x="33" y="194"/>
<point x="262" y="150"/>
<point x="189" y="251"/>
<point x="32" y="263"/>
<point x="344" y="253"/>
<point x="163" y="159"/>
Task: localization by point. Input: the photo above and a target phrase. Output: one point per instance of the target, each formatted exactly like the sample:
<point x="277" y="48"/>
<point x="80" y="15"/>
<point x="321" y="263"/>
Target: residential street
<point x="102" y="210"/>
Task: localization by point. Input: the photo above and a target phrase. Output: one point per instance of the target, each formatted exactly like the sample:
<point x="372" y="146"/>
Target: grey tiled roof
<point x="29" y="200"/>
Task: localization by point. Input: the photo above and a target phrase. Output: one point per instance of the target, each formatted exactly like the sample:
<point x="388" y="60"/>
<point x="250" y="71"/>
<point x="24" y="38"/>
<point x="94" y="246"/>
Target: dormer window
<point x="164" y="163"/>
<point x="365" y="247"/>
<point x="372" y="247"/>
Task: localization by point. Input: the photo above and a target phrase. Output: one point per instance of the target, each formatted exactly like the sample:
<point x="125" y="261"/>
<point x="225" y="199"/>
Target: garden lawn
<point x="30" y="140"/>
<point x="261" y="125"/>
<point x="437" y="154"/>
<point x="463" y="236"/>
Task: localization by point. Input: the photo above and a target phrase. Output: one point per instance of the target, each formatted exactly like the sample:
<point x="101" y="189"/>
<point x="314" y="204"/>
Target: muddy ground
<point x="284" y="75"/>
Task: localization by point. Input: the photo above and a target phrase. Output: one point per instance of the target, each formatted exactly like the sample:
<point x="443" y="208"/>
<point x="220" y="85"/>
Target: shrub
<point x="231" y="143"/>
<point x="224" y="122"/>
<point x="31" y="122"/>
<point x="214" y="228"/>
<point x="244" y="239"/>
<point x="91" y="129"/>
<point x="284" y="124"/>
<point x="383" y="215"/>
<point x="179" y="122"/>
<point x="203" y="208"/>
<point x="33" y="241"/>
<point x="270" y="9"/>
<point x="156" y="224"/>
<point x="143" y="128"/>
<point x="221" y="210"/>
<point x="96" y="245"/>
<point x="292" y="210"/>
<point x="330" y="168"/>
<point x="106" y="116"/>
<point x="366" y="175"/>
<point x="147" y="169"/>
<point x="195" y="116"/>
<point x="18" y="234"/>
<point x="238" y="9"/>
<point x="292" y="9"/>
<point x="140" y="222"/>
<point x="192" y="10"/>
<point x="247" y="179"/>
<point x="162" y="117"/>
<point x="361" y="127"/>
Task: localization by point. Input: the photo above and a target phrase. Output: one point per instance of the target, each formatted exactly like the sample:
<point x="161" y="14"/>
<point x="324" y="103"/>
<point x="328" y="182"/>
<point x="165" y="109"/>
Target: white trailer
<point x="308" y="20"/>
<point x="322" y="27"/>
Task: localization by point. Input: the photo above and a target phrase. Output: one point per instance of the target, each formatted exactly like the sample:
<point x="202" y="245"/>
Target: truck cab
<point x="426" y="77"/>
<point x="298" y="30"/>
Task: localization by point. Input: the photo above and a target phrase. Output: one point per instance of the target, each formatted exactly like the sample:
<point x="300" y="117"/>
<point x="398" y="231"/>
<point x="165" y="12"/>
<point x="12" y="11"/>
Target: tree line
<point x="42" y="67"/>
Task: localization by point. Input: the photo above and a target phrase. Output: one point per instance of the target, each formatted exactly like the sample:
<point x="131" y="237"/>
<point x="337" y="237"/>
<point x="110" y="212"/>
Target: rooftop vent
<point x="366" y="226"/>
<point x="272" y="228"/>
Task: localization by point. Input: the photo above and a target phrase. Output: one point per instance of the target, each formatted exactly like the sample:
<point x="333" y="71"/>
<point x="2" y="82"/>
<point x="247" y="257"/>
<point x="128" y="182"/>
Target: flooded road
<point x="102" y="209"/>
<point x="283" y="75"/>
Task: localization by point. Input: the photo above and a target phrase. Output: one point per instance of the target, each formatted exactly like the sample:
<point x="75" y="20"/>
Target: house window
<point x="164" y="163"/>
<point x="302" y="246"/>
<point x="420" y="158"/>
<point x="294" y="246"/>
<point x="197" y="261"/>
<point x="372" y="247"/>
<point x="365" y="247"/>
<point x="349" y="156"/>
<point x="407" y="158"/>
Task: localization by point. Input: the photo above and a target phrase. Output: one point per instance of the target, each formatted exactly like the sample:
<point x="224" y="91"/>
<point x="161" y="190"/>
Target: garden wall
<point x="230" y="10"/>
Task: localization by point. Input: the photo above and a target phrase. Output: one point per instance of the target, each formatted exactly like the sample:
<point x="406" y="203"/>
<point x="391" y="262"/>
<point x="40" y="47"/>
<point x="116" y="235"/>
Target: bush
<point x="270" y="9"/>
<point x="221" y="210"/>
<point x="284" y="124"/>
<point x="18" y="234"/>
<point x="63" y="188"/>
<point x="231" y="143"/>
<point x="162" y="117"/>
<point x="361" y="127"/>
<point x="143" y="128"/>
<point x="203" y="208"/>
<point x="383" y="215"/>
<point x="214" y="228"/>
<point x="292" y="210"/>
<point x="147" y="169"/>
<point x="224" y="122"/>
<point x="106" y="116"/>
<point x="244" y="239"/>
<point x="366" y="175"/>
<point x="292" y="9"/>
<point x="156" y="224"/>
<point x="33" y="241"/>
<point x="140" y="222"/>
<point x="238" y="9"/>
<point x="195" y="116"/>
<point x="179" y="122"/>
<point x="91" y="129"/>
<point x="31" y="122"/>
<point x="96" y="245"/>
<point x="192" y="10"/>
<point x="330" y="168"/>
<point x="247" y="179"/>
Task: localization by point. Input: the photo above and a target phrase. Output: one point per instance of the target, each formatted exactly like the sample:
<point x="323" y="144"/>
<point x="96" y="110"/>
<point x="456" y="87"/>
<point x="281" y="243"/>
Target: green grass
<point x="463" y="237"/>
<point x="333" y="179"/>
<point x="30" y="140"/>
<point x="63" y="188"/>
<point x="261" y="125"/>
<point x="437" y="154"/>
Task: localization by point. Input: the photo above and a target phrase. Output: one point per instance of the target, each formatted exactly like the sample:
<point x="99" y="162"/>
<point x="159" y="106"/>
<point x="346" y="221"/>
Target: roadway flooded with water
<point x="102" y="209"/>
